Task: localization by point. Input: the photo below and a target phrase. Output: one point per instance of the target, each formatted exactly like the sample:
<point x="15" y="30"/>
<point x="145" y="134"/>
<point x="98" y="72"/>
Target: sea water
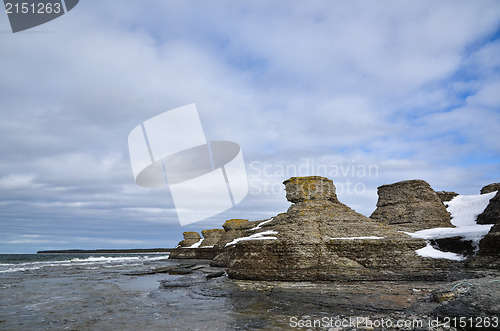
<point x="108" y="292"/>
<point x="116" y="292"/>
<point x="74" y="291"/>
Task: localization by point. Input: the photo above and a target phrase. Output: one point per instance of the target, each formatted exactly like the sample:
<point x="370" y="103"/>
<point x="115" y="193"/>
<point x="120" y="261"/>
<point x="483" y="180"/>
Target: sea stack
<point x="410" y="205"/>
<point x="194" y="247"/>
<point x="320" y="238"/>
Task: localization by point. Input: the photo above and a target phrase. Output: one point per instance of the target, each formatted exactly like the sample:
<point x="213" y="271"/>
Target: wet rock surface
<point x="279" y="305"/>
<point x="474" y="298"/>
<point x="410" y="205"/>
<point x="111" y="298"/>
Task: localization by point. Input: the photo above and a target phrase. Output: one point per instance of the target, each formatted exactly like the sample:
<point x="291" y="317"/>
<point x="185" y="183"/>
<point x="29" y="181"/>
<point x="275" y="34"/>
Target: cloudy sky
<point x="364" y="92"/>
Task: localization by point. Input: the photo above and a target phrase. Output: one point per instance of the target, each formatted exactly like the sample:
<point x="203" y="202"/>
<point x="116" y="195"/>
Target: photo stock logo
<point x="26" y="14"/>
<point x="205" y="177"/>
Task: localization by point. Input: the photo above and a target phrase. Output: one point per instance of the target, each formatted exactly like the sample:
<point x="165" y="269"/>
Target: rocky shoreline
<point x="347" y="305"/>
<point x="321" y="239"/>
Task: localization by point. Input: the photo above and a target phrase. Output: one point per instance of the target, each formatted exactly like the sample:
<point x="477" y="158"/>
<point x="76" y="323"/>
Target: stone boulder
<point x="491" y="214"/>
<point x="490" y="188"/>
<point x="410" y="205"/>
<point x="319" y="238"/>
<point x="446" y="196"/>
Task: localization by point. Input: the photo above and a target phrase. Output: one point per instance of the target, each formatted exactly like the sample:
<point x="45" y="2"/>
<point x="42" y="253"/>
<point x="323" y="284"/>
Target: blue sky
<point x="395" y="90"/>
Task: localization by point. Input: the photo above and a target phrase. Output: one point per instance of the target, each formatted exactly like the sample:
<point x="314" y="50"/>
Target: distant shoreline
<point x="107" y="251"/>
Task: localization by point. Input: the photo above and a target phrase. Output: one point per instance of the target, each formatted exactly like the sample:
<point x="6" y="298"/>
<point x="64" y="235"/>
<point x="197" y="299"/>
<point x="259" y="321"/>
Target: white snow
<point x="356" y="238"/>
<point x="429" y="251"/>
<point x="262" y="223"/>
<point x="474" y="233"/>
<point x="464" y="210"/>
<point x="255" y="236"/>
<point x="196" y="244"/>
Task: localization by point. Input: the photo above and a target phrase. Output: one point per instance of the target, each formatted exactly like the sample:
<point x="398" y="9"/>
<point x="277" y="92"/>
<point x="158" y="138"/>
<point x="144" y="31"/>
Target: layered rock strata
<point x="193" y="247"/>
<point x="211" y="237"/>
<point x="234" y="228"/>
<point x="410" y="205"/>
<point x="319" y="238"/>
<point x="190" y="238"/>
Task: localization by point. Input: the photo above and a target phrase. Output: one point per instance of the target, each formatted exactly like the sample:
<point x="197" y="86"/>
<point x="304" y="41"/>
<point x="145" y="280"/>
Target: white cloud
<point x="487" y="96"/>
<point x="407" y="86"/>
<point x="17" y="182"/>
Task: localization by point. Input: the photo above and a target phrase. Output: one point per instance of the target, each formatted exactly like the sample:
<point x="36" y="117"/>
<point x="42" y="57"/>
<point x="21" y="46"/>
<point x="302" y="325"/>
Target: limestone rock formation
<point x="319" y="238"/>
<point x="190" y="238"/>
<point x="193" y="247"/>
<point x="446" y="196"/>
<point x="491" y="215"/>
<point x="237" y="224"/>
<point x="299" y="189"/>
<point x="410" y="205"/>
<point x="234" y="228"/>
<point x="490" y="188"/>
<point x="211" y="237"/>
